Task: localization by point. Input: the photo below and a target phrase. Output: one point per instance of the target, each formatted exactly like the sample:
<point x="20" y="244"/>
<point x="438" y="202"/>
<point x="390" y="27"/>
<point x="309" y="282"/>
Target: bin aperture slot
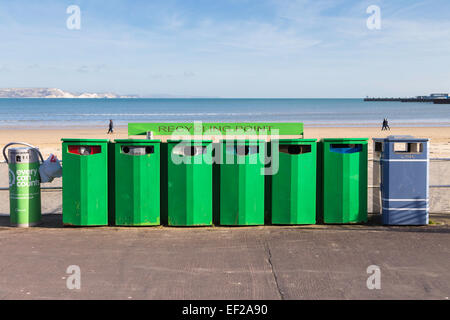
<point x="242" y="150"/>
<point x="137" y="150"/>
<point x="408" y="147"/>
<point x="189" y="151"/>
<point x="83" y="150"/>
<point x="378" y="147"/>
<point x="345" y="148"/>
<point x="295" y="149"/>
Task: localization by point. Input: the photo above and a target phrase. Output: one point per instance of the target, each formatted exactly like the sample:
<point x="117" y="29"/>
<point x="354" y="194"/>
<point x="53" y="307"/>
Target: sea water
<point x="33" y="113"/>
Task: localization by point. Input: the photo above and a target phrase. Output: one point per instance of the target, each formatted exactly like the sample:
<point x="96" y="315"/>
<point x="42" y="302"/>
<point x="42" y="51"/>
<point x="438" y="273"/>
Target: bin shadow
<point x="54" y="221"/>
<point x="374" y="223"/>
<point x="50" y="220"/>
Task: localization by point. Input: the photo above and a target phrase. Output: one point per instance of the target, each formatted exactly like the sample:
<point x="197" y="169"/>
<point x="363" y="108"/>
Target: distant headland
<point x="56" y="93"/>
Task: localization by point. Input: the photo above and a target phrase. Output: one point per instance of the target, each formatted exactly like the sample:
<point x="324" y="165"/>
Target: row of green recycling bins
<point x="179" y="183"/>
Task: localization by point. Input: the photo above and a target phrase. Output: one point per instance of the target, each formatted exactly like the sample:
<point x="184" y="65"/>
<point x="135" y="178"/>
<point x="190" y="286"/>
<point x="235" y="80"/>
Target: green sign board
<point x="216" y="128"/>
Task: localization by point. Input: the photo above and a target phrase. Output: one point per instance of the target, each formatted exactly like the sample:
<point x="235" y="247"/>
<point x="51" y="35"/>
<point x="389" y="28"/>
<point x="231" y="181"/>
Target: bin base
<point x="26" y="225"/>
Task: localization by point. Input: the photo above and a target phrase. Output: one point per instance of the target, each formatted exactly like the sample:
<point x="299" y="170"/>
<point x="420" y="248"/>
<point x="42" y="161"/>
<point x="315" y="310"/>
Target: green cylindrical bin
<point x="342" y="191"/>
<point x="241" y="193"/>
<point x="85" y="182"/>
<point x="136" y="182"/>
<point x="294" y="185"/>
<point x="189" y="182"/>
<point x="24" y="185"/>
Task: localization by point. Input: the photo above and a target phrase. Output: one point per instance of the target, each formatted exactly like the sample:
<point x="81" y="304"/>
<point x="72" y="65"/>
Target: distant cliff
<point x="54" y="93"/>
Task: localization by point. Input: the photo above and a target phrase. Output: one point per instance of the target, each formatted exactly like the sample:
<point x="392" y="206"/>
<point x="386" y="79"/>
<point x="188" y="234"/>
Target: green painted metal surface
<point x="24" y="194"/>
<point x="294" y="185"/>
<point x="241" y="190"/>
<point x="342" y="190"/>
<point x="137" y="182"/>
<point x="189" y="180"/>
<point x="85" y="183"/>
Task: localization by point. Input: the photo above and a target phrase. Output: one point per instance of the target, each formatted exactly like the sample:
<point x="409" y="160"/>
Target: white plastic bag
<point x="50" y="169"/>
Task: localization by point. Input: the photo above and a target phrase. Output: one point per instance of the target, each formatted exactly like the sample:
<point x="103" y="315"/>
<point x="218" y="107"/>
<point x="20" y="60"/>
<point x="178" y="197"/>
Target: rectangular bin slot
<point x="345" y="148"/>
<point x="242" y="150"/>
<point x="137" y="150"/>
<point x="378" y="147"/>
<point x="189" y="151"/>
<point x="84" y="150"/>
<point x="411" y="147"/>
<point x="295" y="149"/>
<point x="22" y="158"/>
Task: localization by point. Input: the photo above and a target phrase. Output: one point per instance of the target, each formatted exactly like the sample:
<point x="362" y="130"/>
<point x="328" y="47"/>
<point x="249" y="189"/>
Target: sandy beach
<point x="49" y="140"/>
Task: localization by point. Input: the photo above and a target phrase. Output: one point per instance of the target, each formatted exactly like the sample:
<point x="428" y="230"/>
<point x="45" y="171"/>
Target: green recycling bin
<point x="294" y="184"/>
<point x="189" y="179"/>
<point x="85" y="182"/>
<point x="241" y="182"/>
<point x="136" y="182"/>
<point x="343" y="186"/>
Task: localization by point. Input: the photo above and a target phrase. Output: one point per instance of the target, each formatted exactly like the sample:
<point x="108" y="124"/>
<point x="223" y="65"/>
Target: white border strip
<point x="408" y="209"/>
<point x="405" y="160"/>
<point x="387" y="199"/>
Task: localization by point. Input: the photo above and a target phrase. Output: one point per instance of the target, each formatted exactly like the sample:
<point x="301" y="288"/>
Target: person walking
<point x="111" y="127"/>
<point x="386" y="125"/>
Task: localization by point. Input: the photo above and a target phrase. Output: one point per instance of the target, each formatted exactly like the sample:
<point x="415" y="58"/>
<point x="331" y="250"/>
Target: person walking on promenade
<point x="111" y="127"/>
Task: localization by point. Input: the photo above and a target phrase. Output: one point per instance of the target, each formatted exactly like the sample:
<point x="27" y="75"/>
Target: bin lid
<point x="405" y="138"/>
<point x="294" y="140"/>
<point x="242" y="141"/>
<point x="137" y="141"/>
<point x="188" y="140"/>
<point x="83" y="140"/>
<point x="344" y="139"/>
<point x="399" y="138"/>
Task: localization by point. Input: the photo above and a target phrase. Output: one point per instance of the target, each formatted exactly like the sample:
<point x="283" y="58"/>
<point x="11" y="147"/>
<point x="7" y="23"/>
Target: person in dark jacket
<point x="386" y="125"/>
<point x="111" y="127"/>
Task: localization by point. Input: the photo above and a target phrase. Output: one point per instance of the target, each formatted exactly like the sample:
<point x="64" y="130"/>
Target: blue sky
<point x="228" y="48"/>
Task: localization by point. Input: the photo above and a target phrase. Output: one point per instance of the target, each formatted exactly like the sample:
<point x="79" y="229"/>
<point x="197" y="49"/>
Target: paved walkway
<point x="304" y="262"/>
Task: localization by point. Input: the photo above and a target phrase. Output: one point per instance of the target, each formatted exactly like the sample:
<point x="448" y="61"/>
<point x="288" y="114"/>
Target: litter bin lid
<point x="137" y="141"/>
<point x="83" y="140"/>
<point x="405" y="138"/>
<point x="294" y="140"/>
<point x="400" y="138"/>
<point x="242" y="141"/>
<point x="344" y="139"/>
<point x="188" y="141"/>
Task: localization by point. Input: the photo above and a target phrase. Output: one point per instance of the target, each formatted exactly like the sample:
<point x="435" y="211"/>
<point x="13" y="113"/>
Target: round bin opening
<point x="148" y="150"/>
<point x="126" y="149"/>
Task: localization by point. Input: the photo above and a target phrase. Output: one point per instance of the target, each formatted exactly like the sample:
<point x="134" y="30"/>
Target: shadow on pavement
<point x="48" y="221"/>
<point x="53" y="221"/>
